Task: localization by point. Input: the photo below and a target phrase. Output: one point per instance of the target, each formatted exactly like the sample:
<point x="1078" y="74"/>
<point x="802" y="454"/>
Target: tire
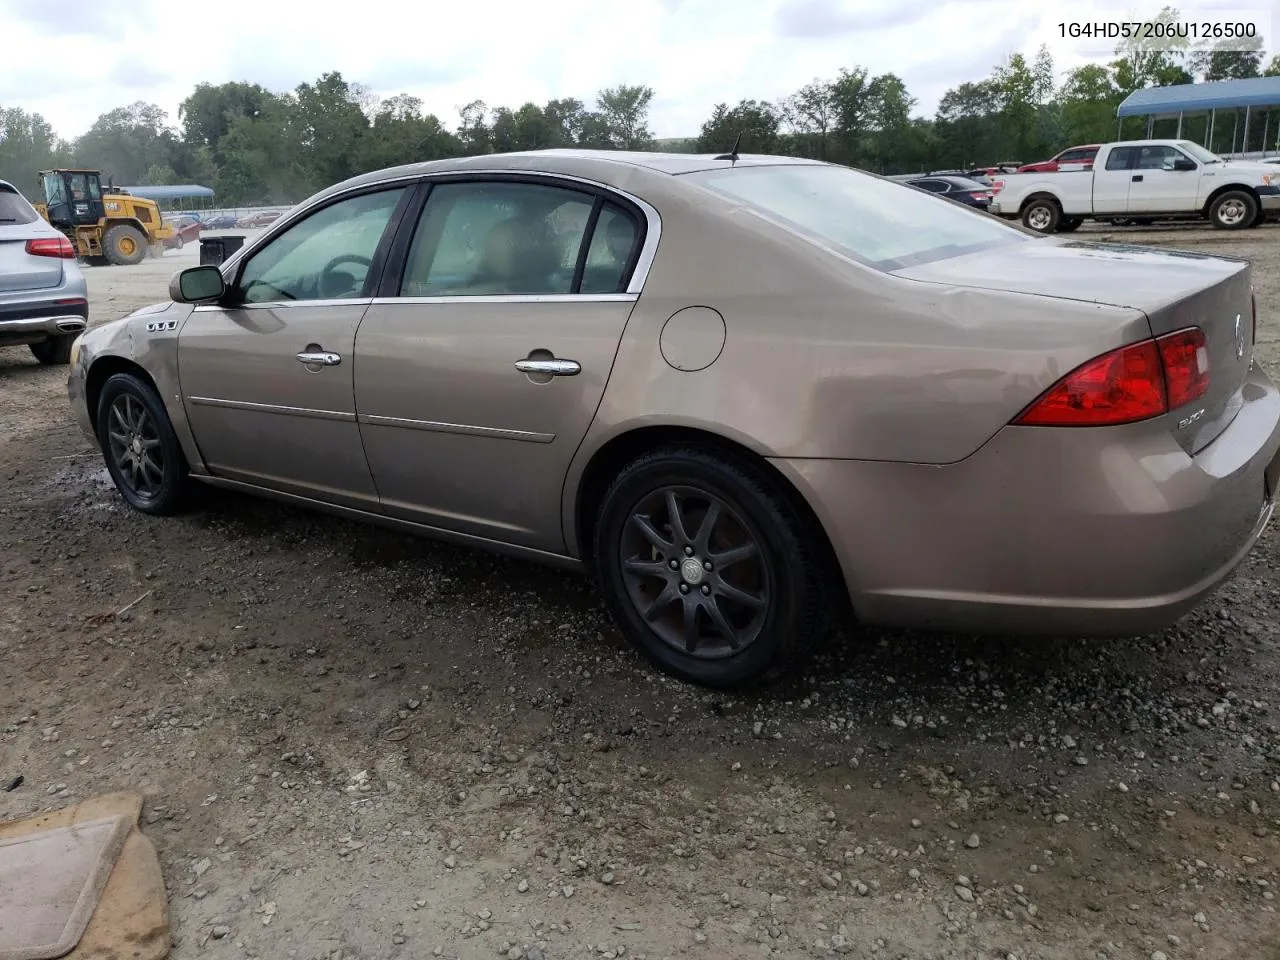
<point x="1234" y="210"/>
<point x="55" y="351"/>
<point x="1042" y="215"/>
<point x="1070" y="224"/>
<point x="128" y="407"/>
<point x="782" y="566"/>
<point x="124" y="245"/>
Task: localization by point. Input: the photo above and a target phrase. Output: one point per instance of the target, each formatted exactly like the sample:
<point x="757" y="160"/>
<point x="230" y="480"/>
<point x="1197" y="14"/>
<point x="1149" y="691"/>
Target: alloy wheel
<point x="696" y="572"/>
<point x="133" y="438"/>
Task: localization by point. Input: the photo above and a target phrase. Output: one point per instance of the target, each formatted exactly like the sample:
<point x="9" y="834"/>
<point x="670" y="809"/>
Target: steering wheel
<point x="326" y="280"/>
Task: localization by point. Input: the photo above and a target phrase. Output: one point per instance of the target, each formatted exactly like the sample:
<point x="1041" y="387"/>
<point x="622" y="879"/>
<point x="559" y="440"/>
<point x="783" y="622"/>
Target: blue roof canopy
<point x="1202" y="97"/>
<point x="177" y="191"/>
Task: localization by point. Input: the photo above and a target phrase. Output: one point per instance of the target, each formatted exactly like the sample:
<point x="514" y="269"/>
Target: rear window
<point x="883" y="224"/>
<point x="15" y="209"/>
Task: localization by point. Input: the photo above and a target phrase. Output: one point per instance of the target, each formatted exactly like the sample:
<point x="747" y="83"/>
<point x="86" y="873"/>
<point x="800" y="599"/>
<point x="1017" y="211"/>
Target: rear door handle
<point x="553" y="367"/>
<point x="1138" y="178"/>
<point x="324" y="358"/>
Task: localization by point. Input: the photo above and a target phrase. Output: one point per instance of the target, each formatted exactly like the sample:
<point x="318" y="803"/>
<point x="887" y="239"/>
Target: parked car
<point x="741" y="393"/>
<point x="960" y="189"/>
<point x="44" y="302"/>
<point x="1143" y="179"/>
<point x="185" y="230"/>
<point x="261" y="219"/>
<point x="221" y="222"/>
<point x="1073" y="158"/>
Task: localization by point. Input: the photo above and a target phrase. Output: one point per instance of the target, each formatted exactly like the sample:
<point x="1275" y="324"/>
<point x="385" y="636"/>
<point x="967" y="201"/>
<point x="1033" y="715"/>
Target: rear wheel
<point x="1042" y="215"/>
<point x="54" y="351"/>
<point x="142" y="452"/>
<point x="1069" y="224"/>
<point x="710" y="569"/>
<point x="124" y="245"/>
<point x="1234" y="210"/>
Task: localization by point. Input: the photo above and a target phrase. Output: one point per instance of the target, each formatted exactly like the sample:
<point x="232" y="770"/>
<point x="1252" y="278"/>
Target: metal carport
<point x="1253" y="96"/>
<point x="168" y="195"/>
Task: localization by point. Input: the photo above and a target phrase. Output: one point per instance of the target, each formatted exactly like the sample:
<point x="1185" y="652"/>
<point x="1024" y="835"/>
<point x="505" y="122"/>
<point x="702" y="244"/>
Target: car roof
<point x="610" y="167"/>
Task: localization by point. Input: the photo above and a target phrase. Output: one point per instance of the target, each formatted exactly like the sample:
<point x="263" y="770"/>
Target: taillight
<point x="980" y="195"/>
<point x="997" y="186"/>
<point x="51" y="247"/>
<point x="1186" y="365"/>
<point x="1136" y="382"/>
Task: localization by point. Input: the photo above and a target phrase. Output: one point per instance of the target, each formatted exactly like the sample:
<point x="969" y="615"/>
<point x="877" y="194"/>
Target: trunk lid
<point x="19" y="270"/>
<point x="19" y="222"/>
<point x="1174" y="289"/>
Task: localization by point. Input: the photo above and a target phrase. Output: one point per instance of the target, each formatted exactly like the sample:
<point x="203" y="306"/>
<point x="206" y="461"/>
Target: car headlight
<point x="75" y="349"/>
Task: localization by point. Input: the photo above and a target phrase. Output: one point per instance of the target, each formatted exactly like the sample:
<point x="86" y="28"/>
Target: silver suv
<point x="43" y="298"/>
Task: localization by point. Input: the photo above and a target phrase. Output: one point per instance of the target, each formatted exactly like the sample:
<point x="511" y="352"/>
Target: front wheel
<point x="710" y="569"/>
<point x="1234" y="210"/>
<point x="142" y="451"/>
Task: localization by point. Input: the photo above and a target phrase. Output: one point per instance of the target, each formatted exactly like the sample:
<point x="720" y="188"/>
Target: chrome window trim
<point x="644" y="263"/>
<point x="515" y="298"/>
<point x="287" y="304"/>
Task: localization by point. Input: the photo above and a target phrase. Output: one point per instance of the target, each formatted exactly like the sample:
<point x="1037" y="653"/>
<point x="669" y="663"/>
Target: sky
<point x="694" y="53"/>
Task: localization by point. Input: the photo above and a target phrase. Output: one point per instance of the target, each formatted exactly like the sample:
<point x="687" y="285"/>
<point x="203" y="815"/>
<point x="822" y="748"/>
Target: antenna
<point x="732" y="155"/>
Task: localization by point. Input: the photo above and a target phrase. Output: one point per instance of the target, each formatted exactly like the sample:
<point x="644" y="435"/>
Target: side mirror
<point x="1184" y="165"/>
<point x="197" y="285"/>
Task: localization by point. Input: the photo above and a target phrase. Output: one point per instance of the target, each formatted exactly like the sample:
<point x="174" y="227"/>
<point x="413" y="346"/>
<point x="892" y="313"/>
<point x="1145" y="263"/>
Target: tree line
<point x="257" y="146"/>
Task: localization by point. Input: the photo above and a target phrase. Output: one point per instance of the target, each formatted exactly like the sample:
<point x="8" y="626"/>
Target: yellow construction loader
<point x="105" y="227"/>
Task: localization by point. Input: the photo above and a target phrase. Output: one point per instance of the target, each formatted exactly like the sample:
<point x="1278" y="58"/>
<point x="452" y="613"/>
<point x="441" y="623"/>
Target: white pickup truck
<point x="1142" y="179"/>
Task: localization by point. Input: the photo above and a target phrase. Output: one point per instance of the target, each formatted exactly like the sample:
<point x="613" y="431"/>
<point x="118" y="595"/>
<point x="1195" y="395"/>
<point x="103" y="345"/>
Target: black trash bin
<point x="214" y="250"/>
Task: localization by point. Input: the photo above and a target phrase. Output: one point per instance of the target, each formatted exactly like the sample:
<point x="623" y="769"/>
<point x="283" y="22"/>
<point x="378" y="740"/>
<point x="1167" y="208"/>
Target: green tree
<point x="755" y="121"/>
<point x="125" y="142"/>
<point x="621" y="118"/>
<point x="400" y="133"/>
<point x="1216" y="62"/>
<point x="967" y="125"/>
<point x="810" y="112"/>
<point x="207" y="114"/>
<point x="1088" y="101"/>
<point x="1145" y="61"/>
<point x="28" y="145"/>
<point x="474" y="134"/>
<point x="329" y="123"/>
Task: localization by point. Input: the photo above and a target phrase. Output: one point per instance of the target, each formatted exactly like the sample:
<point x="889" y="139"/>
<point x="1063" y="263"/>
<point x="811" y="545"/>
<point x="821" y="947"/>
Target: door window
<point x="494" y="239"/>
<point x="1120" y="158"/>
<point x="327" y="256"/>
<point x="1158" y="158"/>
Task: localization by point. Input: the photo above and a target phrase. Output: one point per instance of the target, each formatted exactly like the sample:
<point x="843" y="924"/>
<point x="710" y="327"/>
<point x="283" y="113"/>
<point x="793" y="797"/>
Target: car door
<point x="1111" y="181"/>
<point x="1156" y="187"/>
<point x="480" y="367"/>
<point x="266" y="376"/>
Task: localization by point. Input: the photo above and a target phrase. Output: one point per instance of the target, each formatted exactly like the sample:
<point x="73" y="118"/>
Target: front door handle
<point x="1138" y="178"/>
<point x="552" y="368"/>
<point x="324" y="358"/>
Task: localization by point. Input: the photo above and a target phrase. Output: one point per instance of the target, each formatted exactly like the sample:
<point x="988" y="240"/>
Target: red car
<point x="263" y="219"/>
<point x="1073" y="158"/>
<point x="185" y="230"/>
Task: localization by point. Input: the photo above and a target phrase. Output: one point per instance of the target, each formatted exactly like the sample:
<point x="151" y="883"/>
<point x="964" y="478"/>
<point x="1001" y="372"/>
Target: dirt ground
<point x="356" y="744"/>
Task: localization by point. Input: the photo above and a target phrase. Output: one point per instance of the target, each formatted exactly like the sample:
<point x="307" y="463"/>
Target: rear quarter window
<point x="876" y="222"/>
<point x="14" y="208"/>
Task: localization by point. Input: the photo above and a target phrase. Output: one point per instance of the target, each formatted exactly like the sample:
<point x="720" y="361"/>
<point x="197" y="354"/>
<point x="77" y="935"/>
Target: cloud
<point x="694" y="53"/>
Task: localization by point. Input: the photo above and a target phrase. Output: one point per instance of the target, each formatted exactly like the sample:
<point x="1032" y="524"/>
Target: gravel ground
<point x="356" y="744"/>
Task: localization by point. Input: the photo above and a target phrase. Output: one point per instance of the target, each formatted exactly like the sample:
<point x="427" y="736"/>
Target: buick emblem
<point x="1239" y="338"/>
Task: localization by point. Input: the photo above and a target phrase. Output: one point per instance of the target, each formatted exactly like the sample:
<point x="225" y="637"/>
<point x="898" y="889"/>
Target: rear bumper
<point x="1109" y="532"/>
<point x="36" y="320"/>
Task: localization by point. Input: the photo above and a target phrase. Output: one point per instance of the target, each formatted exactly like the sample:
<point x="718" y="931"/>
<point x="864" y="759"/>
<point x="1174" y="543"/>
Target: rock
<point x="220" y="931"/>
<point x="1060" y="818"/>
<point x="607" y="879"/>
<point x="829" y="881"/>
<point x="450" y="862"/>
<point x="964" y="893"/>
<point x="515" y="953"/>
<point x="917" y="822"/>
<point x="973" y="841"/>
<point x="523" y="886"/>
<point x="1159" y="955"/>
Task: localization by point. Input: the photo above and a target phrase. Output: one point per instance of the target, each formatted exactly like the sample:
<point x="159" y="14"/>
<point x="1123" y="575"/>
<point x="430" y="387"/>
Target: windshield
<point x="883" y="224"/>
<point x="1199" y="152"/>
